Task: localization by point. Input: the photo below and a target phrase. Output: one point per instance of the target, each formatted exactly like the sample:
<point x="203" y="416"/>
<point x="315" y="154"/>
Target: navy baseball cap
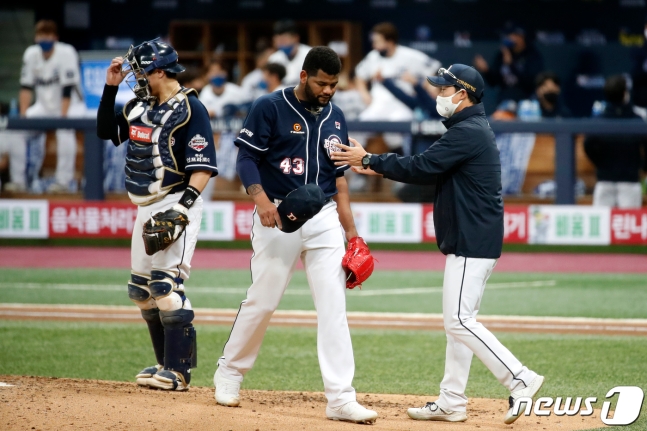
<point x="299" y="206"/>
<point x="462" y="76"/>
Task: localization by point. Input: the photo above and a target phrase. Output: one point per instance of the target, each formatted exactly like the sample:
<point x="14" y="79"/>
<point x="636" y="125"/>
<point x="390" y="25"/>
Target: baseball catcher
<point x="169" y="159"/>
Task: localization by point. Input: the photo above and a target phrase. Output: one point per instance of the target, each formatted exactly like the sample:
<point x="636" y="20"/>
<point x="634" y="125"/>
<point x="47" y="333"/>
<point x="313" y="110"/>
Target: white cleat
<point x="146" y="375"/>
<point x="227" y="390"/>
<point x="351" y="412"/>
<point x="529" y="391"/>
<point x="433" y="412"/>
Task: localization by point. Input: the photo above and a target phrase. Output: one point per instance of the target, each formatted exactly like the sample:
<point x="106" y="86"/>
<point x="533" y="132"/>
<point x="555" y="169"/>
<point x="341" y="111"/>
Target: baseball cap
<point x="462" y="76"/>
<point x="299" y="206"/>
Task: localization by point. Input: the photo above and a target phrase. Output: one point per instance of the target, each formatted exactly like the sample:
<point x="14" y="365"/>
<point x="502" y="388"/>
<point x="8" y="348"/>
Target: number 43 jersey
<point x="293" y="145"/>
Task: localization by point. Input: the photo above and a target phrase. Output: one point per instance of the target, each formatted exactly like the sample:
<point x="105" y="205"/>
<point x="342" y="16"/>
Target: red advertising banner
<point x="629" y="226"/>
<point x="515" y="224"/>
<point x="428" y="229"/>
<point x="243" y="217"/>
<point x="88" y="219"/>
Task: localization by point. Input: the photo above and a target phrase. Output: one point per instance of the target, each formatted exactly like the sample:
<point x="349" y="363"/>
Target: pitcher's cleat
<point x="145" y="375"/>
<point x="529" y="391"/>
<point x="433" y="412"/>
<point x="227" y="390"/>
<point x="351" y="412"/>
<point x="169" y="381"/>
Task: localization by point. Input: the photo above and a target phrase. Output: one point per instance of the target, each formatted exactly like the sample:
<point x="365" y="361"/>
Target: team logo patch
<point x="337" y="125"/>
<point x="292" y="217"/>
<point x="172" y="141"/>
<point x="329" y="144"/>
<point x="297" y="127"/>
<point x="198" y="143"/>
<point x="141" y="134"/>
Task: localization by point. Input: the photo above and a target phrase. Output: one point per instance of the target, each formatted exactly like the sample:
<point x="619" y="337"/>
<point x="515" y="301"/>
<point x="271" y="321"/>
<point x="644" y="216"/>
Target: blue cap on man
<point x="299" y="206"/>
<point x="462" y="76"/>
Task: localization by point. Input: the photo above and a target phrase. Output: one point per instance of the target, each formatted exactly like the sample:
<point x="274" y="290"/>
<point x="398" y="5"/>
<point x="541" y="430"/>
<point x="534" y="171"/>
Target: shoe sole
<point x="229" y="404"/>
<point x="362" y="421"/>
<point x="144" y="381"/>
<point x="511" y="419"/>
<point x="438" y="418"/>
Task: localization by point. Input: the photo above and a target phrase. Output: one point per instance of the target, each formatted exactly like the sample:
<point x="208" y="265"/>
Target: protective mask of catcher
<point x="142" y="89"/>
<point x="445" y="106"/>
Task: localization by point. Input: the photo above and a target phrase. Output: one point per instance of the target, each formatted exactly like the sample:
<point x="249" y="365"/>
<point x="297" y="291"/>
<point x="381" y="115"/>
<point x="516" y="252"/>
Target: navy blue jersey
<point x="292" y="144"/>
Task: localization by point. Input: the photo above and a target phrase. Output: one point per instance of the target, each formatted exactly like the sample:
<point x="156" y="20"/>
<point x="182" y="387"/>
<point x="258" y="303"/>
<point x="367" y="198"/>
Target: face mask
<point x="287" y="49"/>
<point x="262" y="85"/>
<point x="445" y="106"/>
<point x="383" y="52"/>
<point x="218" y="81"/>
<point x="508" y="43"/>
<point x="46" y="45"/>
<point x="551" y="97"/>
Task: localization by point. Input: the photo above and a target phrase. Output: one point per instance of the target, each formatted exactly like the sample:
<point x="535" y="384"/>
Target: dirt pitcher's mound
<point x="42" y="403"/>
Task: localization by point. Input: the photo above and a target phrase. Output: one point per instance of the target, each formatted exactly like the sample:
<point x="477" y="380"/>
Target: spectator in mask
<point x="219" y="93"/>
<point x="514" y="68"/>
<point x="273" y="75"/>
<point x="547" y="97"/>
<point x="290" y="51"/>
<point x="617" y="158"/>
<point x="253" y="83"/>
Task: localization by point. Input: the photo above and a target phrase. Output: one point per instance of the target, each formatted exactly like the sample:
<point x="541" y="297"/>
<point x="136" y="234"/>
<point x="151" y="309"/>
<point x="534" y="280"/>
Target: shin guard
<point x="180" y="347"/>
<point x="156" y="329"/>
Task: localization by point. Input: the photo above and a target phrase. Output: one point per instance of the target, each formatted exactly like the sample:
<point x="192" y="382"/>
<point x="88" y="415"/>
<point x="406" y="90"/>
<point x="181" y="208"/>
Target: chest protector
<point x="151" y="168"/>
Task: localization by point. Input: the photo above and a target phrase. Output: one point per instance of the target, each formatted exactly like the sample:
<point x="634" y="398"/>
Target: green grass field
<point x="388" y="361"/>
<point x="567" y="295"/>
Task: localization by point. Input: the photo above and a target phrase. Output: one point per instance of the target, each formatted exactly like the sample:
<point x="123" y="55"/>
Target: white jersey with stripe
<point x="49" y="76"/>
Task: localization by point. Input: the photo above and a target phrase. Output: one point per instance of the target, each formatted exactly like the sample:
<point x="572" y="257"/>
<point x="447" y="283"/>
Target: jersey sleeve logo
<point x="337" y="125"/>
<point x="141" y="134"/>
<point x="329" y="144"/>
<point x="198" y="143"/>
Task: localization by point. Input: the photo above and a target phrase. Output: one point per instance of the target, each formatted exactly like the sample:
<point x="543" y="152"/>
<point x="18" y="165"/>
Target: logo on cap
<point x="292" y="217"/>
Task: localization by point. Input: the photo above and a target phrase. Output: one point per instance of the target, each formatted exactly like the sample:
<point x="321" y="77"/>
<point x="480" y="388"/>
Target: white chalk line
<point x="295" y="290"/>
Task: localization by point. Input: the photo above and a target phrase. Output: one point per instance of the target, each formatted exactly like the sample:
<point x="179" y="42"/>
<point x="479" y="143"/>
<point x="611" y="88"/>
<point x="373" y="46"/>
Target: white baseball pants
<point x="65" y="146"/>
<point x="177" y="257"/>
<point x="618" y="194"/>
<point x="320" y="245"/>
<point x="463" y="288"/>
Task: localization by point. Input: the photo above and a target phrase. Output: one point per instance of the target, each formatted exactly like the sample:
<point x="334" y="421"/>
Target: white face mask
<point x="445" y="106"/>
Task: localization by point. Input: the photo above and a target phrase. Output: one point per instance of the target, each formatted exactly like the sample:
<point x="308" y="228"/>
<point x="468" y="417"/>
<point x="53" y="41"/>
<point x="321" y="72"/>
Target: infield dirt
<point x="45" y="403"/>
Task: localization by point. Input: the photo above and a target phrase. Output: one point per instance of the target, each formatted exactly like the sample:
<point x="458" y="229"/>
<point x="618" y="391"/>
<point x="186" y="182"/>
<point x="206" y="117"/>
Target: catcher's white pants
<point x="177" y="258"/>
<point x="320" y="245"/>
<point x="618" y="194"/>
<point x="65" y="145"/>
<point x="463" y="288"/>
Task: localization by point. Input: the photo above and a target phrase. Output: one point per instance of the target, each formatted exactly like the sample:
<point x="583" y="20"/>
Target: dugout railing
<point x="564" y="132"/>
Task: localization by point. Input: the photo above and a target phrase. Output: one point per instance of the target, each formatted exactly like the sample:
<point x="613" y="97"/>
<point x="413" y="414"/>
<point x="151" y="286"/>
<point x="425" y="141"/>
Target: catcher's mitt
<point x="357" y="262"/>
<point x="164" y="228"/>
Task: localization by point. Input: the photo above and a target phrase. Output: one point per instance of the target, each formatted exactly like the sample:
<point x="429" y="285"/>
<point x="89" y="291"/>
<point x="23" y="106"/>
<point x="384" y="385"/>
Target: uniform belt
<point x="277" y="202"/>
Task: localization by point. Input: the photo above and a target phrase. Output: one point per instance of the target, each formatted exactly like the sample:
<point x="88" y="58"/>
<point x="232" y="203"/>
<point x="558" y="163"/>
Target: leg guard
<point x="180" y="350"/>
<point x="156" y="329"/>
<point x="167" y="291"/>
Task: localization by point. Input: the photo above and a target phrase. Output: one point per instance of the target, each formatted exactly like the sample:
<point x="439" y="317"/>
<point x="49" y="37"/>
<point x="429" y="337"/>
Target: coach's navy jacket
<point x="468" y="209"/>
<point x="289" y="145"/>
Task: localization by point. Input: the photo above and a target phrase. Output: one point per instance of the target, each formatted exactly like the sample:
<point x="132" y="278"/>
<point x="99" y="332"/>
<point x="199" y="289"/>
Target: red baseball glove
<point x="357" y="262"/>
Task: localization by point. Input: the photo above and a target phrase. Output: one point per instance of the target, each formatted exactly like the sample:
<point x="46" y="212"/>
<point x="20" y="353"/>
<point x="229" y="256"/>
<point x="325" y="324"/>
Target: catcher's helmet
<point x="142" y="59"/>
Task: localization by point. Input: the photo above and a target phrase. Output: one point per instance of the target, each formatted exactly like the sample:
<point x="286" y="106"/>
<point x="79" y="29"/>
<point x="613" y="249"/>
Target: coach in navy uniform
<point x="468" y="217"/>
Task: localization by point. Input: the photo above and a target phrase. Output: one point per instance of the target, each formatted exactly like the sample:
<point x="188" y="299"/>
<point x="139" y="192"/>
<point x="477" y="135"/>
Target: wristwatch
<point x="366" y="160"/>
